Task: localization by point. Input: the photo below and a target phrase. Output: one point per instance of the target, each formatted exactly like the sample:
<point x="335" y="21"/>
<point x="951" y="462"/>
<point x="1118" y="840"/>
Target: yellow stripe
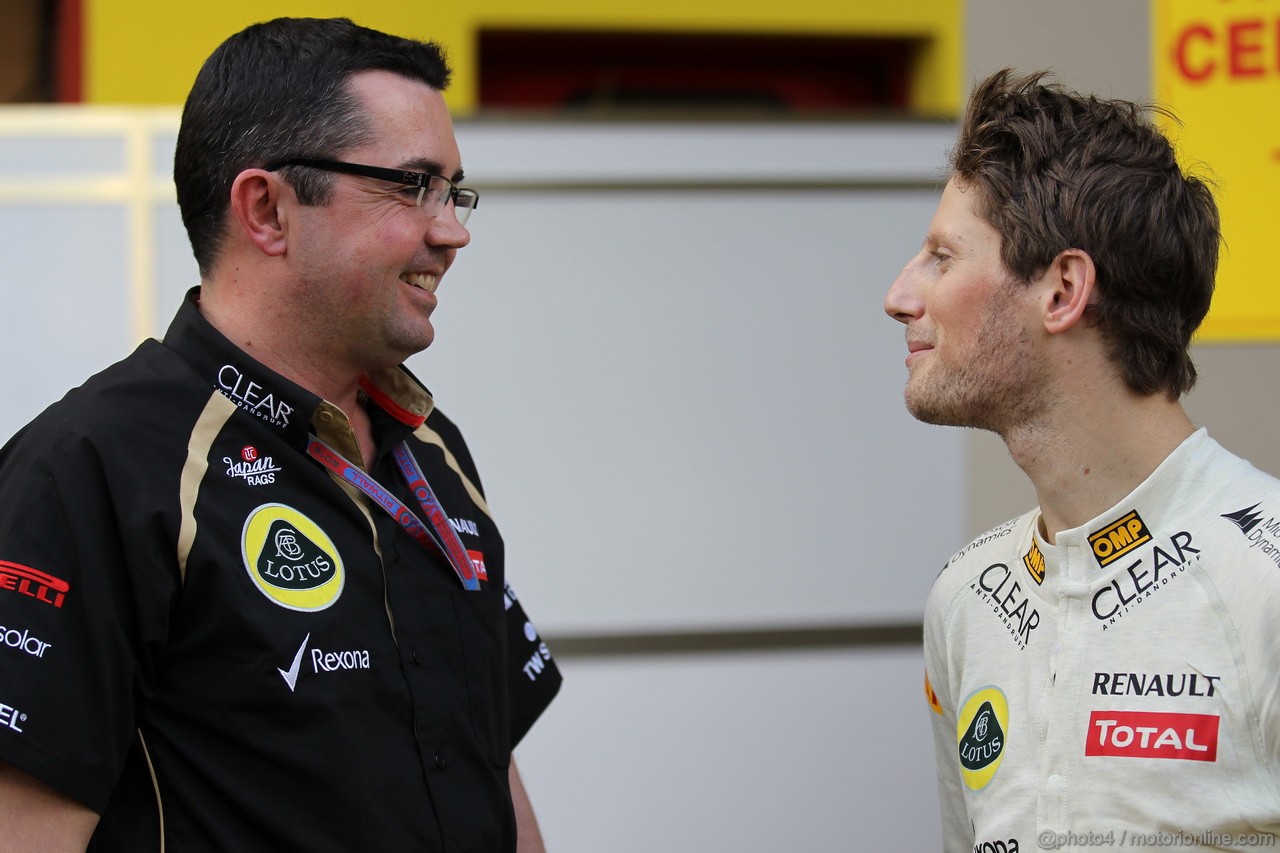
<point x="215" y="414"/>
<point x="430" y="436"/>
<point x="155" y="787"/>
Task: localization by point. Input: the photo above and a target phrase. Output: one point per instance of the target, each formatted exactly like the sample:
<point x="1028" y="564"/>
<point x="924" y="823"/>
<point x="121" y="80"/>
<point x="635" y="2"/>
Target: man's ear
<point x="1069" y="284"/>
<point x="255" y="201"/>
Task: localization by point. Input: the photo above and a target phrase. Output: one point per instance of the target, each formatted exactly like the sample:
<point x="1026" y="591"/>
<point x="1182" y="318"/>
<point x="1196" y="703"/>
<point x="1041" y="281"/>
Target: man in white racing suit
<point x="1102" y="671"/>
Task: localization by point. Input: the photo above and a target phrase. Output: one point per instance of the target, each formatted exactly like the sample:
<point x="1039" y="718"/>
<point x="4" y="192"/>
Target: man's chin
<point x="931" y="412"/>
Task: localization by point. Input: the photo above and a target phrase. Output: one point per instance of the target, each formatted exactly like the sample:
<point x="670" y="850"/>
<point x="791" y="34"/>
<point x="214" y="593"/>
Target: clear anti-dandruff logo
<point x="290" y="559"/>
<point x="981" y="730"/>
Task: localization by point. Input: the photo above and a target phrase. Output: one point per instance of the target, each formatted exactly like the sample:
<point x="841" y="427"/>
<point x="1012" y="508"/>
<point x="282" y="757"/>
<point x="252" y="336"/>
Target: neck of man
<point x="1086" y="456"/>
<point x="270" y="335"/>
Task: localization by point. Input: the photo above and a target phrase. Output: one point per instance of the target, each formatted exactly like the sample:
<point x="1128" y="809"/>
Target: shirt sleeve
<point x="534" y="679"/>
<point x="957" y="828"/>
<point x="71" y="671"/>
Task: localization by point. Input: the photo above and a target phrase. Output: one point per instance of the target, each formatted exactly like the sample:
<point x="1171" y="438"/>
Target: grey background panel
<point x="63" y="300"/>
<point x="782" y="752"/>
<point x="44" y="156"/>
<point x="687" y="405"/>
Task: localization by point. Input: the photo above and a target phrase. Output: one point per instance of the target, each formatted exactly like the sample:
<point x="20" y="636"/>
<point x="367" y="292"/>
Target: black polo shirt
<point x="203" y="629"/>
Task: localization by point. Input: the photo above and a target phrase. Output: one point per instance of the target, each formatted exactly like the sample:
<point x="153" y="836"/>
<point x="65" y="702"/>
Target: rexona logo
<point x="290" y="559"/>
<point x="997" y="846"/>
<point x="1034" y="561"/>
<point x="980" y="729"/>
<point x="1119" y="538"/>
<point x="1145" y="734"/>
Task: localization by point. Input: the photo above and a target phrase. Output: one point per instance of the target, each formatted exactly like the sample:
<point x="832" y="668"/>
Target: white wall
<point x="666" y="347"/>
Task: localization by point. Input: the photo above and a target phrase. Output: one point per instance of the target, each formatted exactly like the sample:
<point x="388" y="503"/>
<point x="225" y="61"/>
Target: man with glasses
<point x="257" y="598"/>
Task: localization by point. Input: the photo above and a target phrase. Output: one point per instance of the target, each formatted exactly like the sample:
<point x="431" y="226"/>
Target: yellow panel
<point x="148" y="51"/>
<point x="1217" y="65"/>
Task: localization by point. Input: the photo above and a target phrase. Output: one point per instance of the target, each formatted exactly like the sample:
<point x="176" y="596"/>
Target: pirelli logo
<point x="39" y="585"/>
<point x="1119" y="538"/>
<point x="1034" y="561"/>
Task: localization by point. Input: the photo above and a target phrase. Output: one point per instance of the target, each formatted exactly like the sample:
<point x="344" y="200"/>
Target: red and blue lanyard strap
<point x="443" y="540"/>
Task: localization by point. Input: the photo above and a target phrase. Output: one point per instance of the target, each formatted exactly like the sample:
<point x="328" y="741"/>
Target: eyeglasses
<point x="433" y="192"/>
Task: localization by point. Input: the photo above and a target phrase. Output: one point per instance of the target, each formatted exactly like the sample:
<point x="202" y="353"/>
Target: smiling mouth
<point x="422" y="281"/>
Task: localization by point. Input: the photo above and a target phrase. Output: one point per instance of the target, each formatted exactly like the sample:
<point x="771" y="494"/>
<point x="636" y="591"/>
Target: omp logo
<point x="1119" y="538"/>
<point x="34" y="583"/>
<point x="981" y="732"/>
<point x="1246" y="519"/>
<point x="1144" y="734"/>
<point x="290" y="559"/>
<point x="1034" y="561"/>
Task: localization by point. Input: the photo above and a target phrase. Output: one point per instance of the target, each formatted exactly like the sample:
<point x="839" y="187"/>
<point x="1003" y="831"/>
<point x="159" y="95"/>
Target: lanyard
<point x="441" y="539"/>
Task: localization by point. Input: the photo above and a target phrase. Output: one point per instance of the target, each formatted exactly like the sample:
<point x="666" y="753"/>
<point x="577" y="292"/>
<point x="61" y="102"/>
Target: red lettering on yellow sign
<point x="1240" y="50"/>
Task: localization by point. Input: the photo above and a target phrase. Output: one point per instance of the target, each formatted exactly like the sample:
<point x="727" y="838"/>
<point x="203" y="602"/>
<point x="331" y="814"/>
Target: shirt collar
<point x="276" y="401"/>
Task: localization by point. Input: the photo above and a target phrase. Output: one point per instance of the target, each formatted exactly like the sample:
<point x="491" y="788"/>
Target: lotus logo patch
<point x="290" y="559"/>
<point x="981" y="732"/>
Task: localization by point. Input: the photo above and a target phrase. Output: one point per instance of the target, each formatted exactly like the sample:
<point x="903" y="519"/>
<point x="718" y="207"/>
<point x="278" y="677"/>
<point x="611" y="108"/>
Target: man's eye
<point x="410" y="192"/>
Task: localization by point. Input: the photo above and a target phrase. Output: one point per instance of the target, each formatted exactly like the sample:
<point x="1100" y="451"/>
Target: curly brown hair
<point x="1057" y="170"/>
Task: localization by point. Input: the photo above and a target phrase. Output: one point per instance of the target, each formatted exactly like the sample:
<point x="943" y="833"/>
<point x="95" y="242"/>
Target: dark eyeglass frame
<point x="464" y="199"/>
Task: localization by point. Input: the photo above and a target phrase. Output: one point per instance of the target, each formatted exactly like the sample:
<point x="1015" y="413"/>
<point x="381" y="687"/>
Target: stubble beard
<point x="998" y="385"/>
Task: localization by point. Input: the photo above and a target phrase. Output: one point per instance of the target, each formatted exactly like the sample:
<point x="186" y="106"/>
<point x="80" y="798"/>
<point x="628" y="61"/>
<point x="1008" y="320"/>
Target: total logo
<point x="981" y="733"/>
<point x="290" y="559"/>
<point x="477" y="563"/>
<point x="1145" y="734"/>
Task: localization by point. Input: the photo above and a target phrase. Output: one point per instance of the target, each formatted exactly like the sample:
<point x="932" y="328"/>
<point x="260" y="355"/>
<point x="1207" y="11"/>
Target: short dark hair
<point x="274" y="90"/>
<point x="1057" y="170"/>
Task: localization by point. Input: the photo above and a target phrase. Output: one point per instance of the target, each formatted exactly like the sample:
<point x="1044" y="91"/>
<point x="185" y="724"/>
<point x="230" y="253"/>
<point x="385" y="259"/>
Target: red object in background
<point x="68" y="51"/>
<point x="586" y="69"/>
